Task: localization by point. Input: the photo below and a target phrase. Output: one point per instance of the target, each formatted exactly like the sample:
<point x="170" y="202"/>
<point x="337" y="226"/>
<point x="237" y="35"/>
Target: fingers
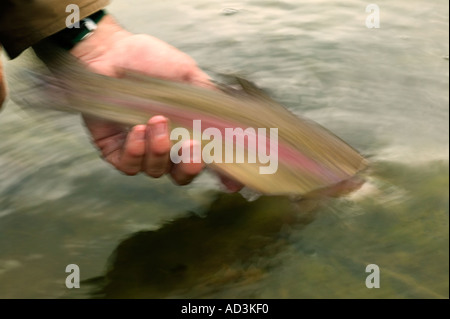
<point x="133" y="151"/>
<point x="157" y="153"/>
<point x="230" y="184"/>
<point x="124" y="153"/>
<point x="146" y="148"/>
<point x="184" y="173"/>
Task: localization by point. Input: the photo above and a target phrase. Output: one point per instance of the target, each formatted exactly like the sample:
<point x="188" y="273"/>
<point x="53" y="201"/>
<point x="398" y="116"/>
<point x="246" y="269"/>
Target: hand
<point x="2" y="86"/>
<point x="145" y="148"/>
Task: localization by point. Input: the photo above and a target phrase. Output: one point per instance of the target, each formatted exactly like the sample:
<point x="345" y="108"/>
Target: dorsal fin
<point x="251" y="89"/>
<point x="255" y="92"/>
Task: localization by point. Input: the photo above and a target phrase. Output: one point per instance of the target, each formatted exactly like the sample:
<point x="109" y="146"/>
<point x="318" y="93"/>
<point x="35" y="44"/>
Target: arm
<point x="24" y="23"/>
<point x="2" y="85"/>
<point x="146" y="147"/>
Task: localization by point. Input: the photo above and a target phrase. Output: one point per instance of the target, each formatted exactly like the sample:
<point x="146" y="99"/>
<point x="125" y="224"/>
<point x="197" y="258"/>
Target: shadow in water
<point x="236" y="243"/>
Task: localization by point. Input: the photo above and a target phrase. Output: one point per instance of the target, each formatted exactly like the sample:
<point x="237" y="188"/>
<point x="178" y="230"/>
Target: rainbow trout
<point x="298" y="156"/>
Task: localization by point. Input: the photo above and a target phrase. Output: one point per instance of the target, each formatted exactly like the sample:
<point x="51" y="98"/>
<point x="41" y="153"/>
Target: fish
<point x="308" y="157"/>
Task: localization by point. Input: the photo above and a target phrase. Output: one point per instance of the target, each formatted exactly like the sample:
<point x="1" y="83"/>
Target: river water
<point x="383" y="90"/>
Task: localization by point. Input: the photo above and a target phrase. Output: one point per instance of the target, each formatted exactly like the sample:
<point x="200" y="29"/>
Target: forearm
<point x="24" y="23"/>
<point x="2" y="85"/>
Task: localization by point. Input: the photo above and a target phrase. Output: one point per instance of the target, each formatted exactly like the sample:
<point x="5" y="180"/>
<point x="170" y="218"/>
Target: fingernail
<point x="139" y="132"/>
<point x="159" y="129"/>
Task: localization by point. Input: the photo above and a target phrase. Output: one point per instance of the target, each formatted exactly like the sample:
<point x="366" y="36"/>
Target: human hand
<point x="2" y="86"/>
<point x="145" y="148"/>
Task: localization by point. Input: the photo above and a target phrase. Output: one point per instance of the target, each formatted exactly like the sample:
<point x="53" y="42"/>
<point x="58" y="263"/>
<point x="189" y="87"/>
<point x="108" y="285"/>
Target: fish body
<point x="309" y="157"/>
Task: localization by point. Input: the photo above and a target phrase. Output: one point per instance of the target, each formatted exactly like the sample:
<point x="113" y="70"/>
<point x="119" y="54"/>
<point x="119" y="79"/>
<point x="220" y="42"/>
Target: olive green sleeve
<point x="25" y="22"/>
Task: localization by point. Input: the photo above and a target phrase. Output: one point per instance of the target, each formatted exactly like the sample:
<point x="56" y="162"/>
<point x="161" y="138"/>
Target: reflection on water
<point x="234" y="244"/>
<point x="274" y="247"/>
<point x="384" y="91"/>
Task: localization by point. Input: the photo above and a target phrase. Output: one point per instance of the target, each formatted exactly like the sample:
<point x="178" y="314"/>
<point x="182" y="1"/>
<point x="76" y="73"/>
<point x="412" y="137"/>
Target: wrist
<point x="100" y="41"/>
<point x="73" y="34"/>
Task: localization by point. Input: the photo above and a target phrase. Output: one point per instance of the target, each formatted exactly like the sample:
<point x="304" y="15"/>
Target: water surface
<point x="385" y="91"/>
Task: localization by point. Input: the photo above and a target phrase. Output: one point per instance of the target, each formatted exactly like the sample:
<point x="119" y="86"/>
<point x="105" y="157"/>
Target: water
<point x="385" y="91"/>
